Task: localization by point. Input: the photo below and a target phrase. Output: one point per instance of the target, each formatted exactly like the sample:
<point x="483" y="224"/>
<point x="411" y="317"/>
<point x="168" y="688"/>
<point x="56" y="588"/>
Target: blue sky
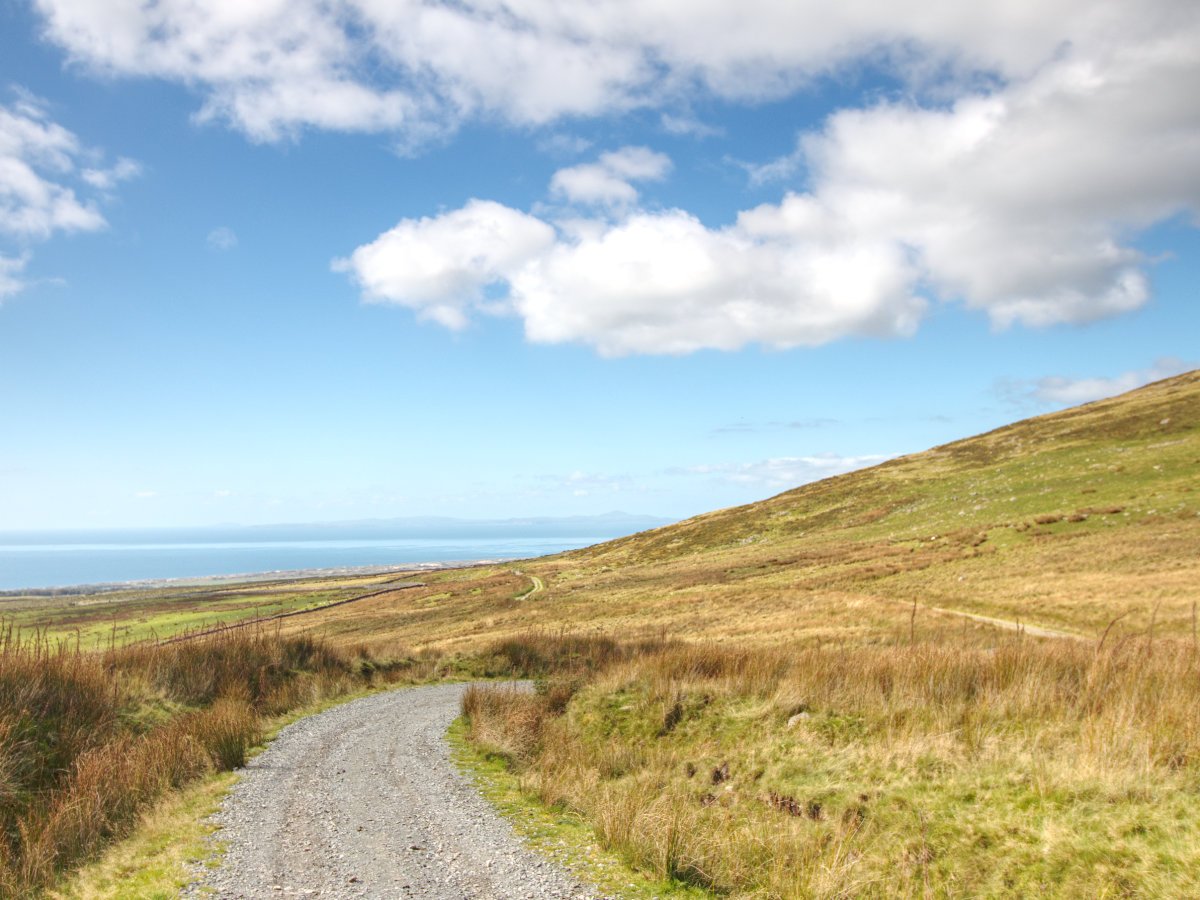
<point x="319" y="261"/>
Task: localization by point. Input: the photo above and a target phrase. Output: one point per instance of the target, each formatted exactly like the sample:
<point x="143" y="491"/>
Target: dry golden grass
<point x="88" y="741"/>
<point x="912" y="770"/>
<point x="1066" y="521"/>
<point x="934" y="754"/>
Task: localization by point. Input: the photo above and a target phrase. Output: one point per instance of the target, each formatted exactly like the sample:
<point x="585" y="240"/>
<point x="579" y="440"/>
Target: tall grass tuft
<point x="89" y="740"/>
<point x="912" y="769"/>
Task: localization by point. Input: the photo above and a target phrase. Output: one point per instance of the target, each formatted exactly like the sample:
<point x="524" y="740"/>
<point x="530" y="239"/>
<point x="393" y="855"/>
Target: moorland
<point x="972" y="671"/>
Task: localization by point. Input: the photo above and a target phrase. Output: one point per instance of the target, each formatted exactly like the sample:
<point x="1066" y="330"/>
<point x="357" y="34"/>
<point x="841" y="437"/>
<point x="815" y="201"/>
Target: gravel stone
<point x="362" y="801"/>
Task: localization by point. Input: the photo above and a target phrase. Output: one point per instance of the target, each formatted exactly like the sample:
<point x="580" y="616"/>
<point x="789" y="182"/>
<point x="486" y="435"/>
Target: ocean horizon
<point x="44" y="566"/>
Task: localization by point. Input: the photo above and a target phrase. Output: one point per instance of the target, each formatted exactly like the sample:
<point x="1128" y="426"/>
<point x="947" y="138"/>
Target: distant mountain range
<point x="606" y="525"/>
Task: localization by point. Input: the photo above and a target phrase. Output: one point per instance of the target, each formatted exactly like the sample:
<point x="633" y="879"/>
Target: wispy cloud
<point x="688" y="125"/>
<point x="44" y="183"/>
<point x="1058" y="390"/>
<point x="782" y="169"/>
<point x="609" y="180"/>
<point x="784" y="471"/>
<point x="222" y="239"/>
<point x="585" y="484"/>
<point x="38" y="162"/>
<point x="560" y="144"/>
<point x="11" y="268"/>
<point x="745" y="427"/>
<point x="106" y="179"/>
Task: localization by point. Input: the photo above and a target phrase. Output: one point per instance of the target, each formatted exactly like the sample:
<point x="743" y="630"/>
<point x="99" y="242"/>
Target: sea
<point x="27" y="565"/>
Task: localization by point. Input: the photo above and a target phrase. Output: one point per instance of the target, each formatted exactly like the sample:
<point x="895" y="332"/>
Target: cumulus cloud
<point x="666" y="283"/>
<point x="658" y="282"/>
<point x="1021" y="201"/>
<point x="608" y="181"/>
<point x="273" y="67"/>
<point x="222" y="238"/>
<point x="782" y="472"/>
<point x="1060" y="391"/>
<point x="440" y="266"/>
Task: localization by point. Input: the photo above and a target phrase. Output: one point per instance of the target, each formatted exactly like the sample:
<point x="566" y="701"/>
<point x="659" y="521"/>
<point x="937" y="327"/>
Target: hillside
<point x="890" y="744"/>
<point x="823" y="694"/>
<point x="1065" y="521"/>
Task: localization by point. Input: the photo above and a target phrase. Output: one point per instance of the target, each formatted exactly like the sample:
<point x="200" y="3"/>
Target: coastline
<point x="271" y="576"/>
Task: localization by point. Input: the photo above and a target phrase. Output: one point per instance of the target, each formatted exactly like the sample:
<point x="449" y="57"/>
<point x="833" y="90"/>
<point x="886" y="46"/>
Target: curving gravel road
<point x="363" y="801"/>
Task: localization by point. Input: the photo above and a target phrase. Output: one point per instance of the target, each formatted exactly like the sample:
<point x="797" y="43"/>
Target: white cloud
<point x="387" y="65"/>
<point x="689" y="126"/>
<point x="222" y="238"/>
<point x="107" y="179"/>
<point x="1020" y="202"/>
<point x="782" y="169"/>
<point x="563" y="144"/>
<point x="607" y="181"/>
<point x="37" y="158"/>
<point x="665" y="283"/>
<point x="637" y="163"/>
<point x="586" y="484"/>
<point x="40" y="172"/>
<point x="10" y="274"/>
<point x="1073" y="391"/>
<point x="440" y="266"/>
<point x="782" y="472"/>
<point x="648" y="283"/>
<point x="591" y="183"/>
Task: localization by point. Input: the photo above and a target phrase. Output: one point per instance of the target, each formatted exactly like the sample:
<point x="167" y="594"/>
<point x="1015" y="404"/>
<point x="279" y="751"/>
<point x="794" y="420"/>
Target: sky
<point x="342" y="259"/>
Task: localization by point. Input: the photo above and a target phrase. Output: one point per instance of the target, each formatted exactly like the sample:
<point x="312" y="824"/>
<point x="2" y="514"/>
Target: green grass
<point x="106" y="618"/>
<point x="925" y="770"/>
<point x="556" y="833"/>
<point x="156" y="861"/>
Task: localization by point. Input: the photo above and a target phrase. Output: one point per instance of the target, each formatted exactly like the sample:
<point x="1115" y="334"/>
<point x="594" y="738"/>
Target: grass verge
<point x="556" y="832"/>
<point x="159" y="856"/>
<point x="90" y="742"/>
<point x="1038" y="767"/>
<point x="155" y="862"/>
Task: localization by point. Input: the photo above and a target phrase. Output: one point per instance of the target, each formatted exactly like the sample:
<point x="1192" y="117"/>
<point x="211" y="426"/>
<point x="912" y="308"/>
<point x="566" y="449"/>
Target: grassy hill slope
<point x="822" y="694"/>
<point x="1064" y="521"/>
<point x="889" y="745"/>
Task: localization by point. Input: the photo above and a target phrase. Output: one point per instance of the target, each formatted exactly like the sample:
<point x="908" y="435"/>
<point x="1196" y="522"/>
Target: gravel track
<point x="363" y="801"/>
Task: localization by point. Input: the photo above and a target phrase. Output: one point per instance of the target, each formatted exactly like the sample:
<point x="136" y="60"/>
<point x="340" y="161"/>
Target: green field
<point x="108" y="618"/>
